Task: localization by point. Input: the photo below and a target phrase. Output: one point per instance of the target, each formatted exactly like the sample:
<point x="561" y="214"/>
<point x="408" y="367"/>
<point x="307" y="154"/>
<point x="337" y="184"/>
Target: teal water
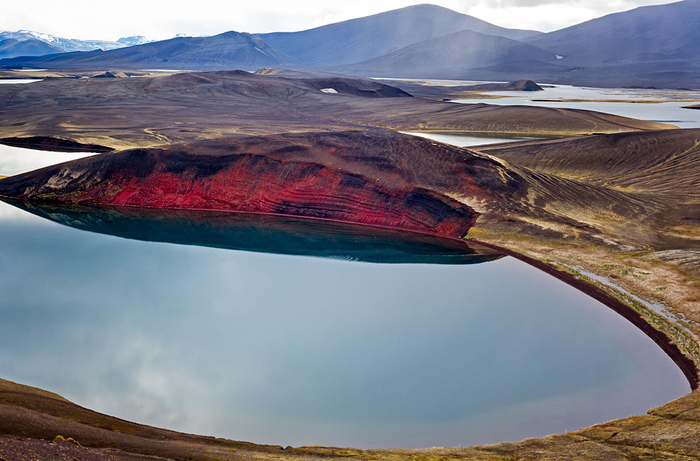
<point x="298" y="350"/>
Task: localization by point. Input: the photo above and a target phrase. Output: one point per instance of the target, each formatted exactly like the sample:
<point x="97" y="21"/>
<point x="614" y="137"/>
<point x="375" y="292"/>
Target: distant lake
<point x="470" y="140"/>
<point x="604" y="100"/>
<point x="16" y="160"/>
<point x="299" y="350"/>
<point x="11" y="81"/>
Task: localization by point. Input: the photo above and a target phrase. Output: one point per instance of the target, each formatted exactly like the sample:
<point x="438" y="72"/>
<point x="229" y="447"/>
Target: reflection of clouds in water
<point x="159" y="377"/>
<point x="294" y="350"/>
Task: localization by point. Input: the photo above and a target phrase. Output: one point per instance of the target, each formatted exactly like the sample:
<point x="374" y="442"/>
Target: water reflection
<point x="294" y="350"/>
<point x="265" y="233"/>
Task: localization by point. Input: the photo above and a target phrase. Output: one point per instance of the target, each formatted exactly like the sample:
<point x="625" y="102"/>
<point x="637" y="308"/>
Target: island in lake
<point x="610" y="204"/>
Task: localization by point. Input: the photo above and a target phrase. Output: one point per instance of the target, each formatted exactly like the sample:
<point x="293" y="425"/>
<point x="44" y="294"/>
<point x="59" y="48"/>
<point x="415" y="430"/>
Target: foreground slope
<point x="663" y="270"/>
<point x="662" y="162"/>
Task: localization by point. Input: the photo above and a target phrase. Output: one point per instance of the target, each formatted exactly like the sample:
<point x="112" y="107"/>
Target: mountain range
<point x="224" y="51"/>
<point x="653" y="46"/>
<point x="53" y="44"/>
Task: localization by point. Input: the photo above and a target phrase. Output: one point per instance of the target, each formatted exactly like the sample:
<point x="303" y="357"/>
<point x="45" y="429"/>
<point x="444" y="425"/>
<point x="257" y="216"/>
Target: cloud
<point x="546" y="15"/>
<point x="163" y="19"/>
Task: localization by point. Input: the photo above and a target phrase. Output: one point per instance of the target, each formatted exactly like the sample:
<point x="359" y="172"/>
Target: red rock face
<point x="231" y="176"/>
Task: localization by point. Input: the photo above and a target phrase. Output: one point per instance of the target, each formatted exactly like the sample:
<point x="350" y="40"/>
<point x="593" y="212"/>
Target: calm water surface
<point x="16" y="160"/>
<point x="18" y="81"/>
<point x="297" y="350"/>
<point x="603" y="100"/>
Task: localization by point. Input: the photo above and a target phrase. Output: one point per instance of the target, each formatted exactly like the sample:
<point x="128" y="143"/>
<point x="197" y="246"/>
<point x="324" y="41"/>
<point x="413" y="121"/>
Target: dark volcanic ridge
<point x="149" y="111"/>
<point x="306" y="178"/>
<point x="372" y="177"/>
<point x="663" y="166"/>
<point x="661" y="162"/>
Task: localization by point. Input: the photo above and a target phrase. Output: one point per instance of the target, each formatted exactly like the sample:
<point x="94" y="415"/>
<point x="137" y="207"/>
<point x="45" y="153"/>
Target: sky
<point x="163" y="19"/>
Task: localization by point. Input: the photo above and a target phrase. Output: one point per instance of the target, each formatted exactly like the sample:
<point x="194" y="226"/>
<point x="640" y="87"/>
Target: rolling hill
<point x="194" y="106"/>
<point x="453" y="56"/>
<point x="362" y="39"/>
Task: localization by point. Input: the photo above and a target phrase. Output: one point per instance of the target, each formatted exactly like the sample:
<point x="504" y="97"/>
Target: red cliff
<point x="292" y="175"/>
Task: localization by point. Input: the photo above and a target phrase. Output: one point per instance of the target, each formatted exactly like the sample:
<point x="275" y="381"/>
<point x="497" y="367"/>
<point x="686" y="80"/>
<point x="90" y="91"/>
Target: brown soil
<point x="147" y="111"/>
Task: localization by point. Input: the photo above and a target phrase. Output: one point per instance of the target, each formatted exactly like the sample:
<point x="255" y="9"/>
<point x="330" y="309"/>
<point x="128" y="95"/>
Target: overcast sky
<point x="162" y="19"/>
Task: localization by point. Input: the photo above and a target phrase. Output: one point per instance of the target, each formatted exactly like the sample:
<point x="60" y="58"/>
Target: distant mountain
<point x="230" y="50"/>
<point x="67" y="45"/>
<point x="653" y="46"/>
<point x="133" y="40"/>
<point x="362" y="39"/>
<point x="650" y="33"/>
<point x="10" y="48"/>
<point x="453" y="56"/>
<point x="656" y="45"/>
